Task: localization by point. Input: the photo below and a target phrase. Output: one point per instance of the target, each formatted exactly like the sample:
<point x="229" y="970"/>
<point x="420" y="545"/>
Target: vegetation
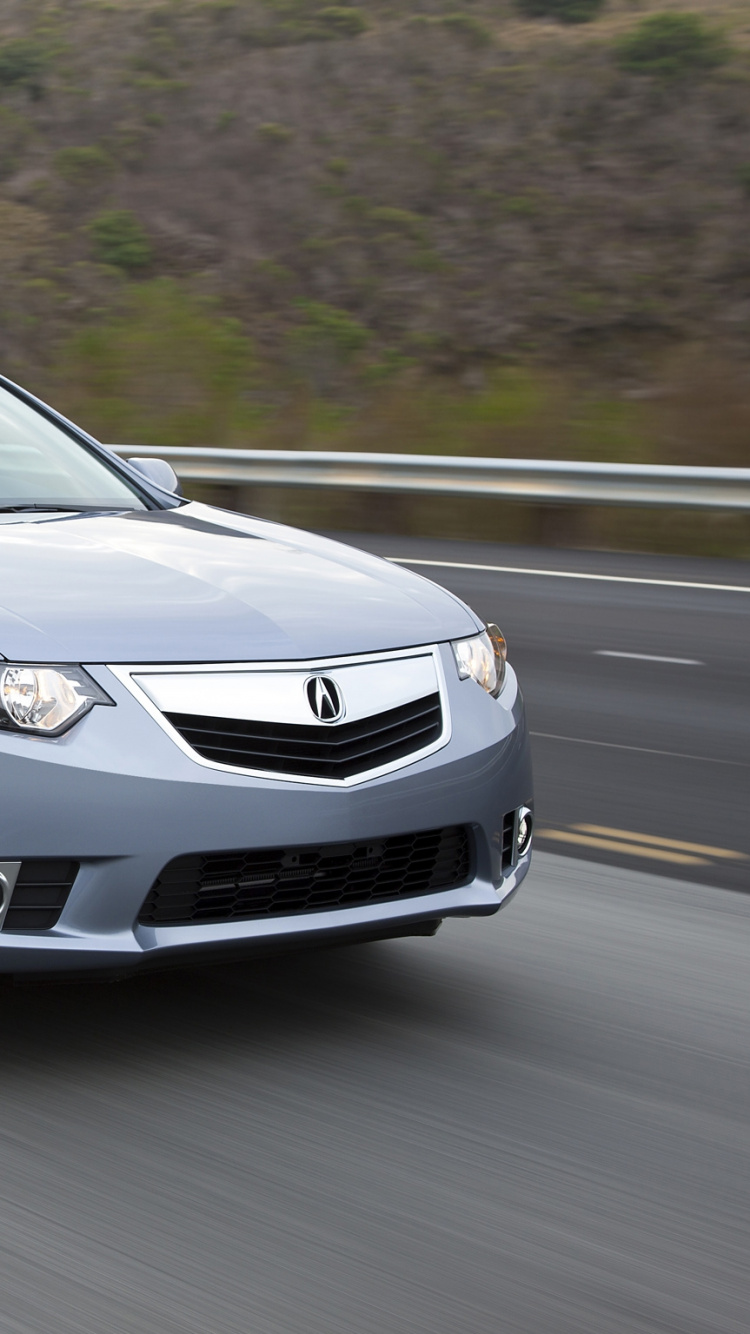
<point x="673" y="46"/>
<point x="468" y="29"/>
<point x="438" y="228"/>
<point x="275" y="134"/>
<point x="16" y="133"/>
<point x="743" y="177"/>
<point x="342" y="21"/>
<point x="84" y="166"/>
<point x="120" y="239"/>
<point x="22" y="62"/>
<point x="565" y="11"/>
<point x="167" y="369"/>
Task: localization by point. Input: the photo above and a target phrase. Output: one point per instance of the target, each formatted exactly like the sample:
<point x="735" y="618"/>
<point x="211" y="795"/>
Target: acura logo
<point x="325" y="699"/>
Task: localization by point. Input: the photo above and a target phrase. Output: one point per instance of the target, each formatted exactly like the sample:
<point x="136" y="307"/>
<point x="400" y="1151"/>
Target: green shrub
<point x="325" y="344"/>
<point x="83" y="166"/>
<point x="326" y="327"/>
<point x="342" y="21"/>
<point x="275" y="134"/>
<point x="522" y="206"/>
<point x="169" y="369"/>
<point x="468" y="29"/>
<point x="672" y="46"/>
<point x="398" y="220"/>
<point x="22" y="62"/>
<point x="565" y="11"/>
<point x="278" y="273"/>
<point x="293" y="23"/>
<point x="120" y="240"/>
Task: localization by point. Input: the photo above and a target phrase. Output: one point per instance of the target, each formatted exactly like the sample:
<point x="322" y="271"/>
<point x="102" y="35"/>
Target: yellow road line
<point x="700" y="848"/>
<point x="613" y="845"/>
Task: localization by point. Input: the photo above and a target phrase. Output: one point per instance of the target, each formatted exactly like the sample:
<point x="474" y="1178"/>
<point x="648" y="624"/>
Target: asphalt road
<point x="637" y="761"/>
<point x="532" y="1124"/>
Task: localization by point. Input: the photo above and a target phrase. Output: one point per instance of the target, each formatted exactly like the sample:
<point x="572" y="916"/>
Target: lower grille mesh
<point x="40" y="894"/>
<point x="279" y="882"/>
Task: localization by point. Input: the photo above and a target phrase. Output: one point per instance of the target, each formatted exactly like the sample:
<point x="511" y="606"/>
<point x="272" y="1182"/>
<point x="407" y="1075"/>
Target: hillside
<point x="389" y="226"/>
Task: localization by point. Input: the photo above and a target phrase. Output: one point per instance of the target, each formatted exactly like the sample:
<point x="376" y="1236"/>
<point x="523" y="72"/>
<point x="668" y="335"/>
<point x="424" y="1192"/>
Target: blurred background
<point x="515" y="228"/>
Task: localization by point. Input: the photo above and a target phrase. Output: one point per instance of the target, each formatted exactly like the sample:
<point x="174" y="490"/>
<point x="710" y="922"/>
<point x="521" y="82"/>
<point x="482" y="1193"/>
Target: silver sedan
<point x="221" y="736"/>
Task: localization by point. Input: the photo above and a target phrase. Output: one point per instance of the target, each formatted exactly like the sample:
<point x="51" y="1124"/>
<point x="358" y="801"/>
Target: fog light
<point x="523" y="831"/>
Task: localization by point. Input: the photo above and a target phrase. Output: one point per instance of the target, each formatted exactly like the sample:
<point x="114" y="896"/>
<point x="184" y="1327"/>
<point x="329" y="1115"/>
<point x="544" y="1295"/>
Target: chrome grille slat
<point x="316" y="751"/>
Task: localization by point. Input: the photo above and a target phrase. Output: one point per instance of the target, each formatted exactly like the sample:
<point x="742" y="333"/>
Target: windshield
<point x="42" y="466"/>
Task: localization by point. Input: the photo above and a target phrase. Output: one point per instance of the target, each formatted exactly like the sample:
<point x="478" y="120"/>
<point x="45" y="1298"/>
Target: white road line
<point x="569" y="574"/>
<point x="647" y="657"/>
<point x="641" y="750"/>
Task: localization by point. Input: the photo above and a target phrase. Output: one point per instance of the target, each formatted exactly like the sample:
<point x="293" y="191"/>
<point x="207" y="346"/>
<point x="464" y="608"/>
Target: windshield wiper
<point x="60" y="509"/>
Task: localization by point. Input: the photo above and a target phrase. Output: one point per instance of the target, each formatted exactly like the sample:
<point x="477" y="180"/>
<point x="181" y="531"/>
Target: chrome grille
<point x="319" y="751"/>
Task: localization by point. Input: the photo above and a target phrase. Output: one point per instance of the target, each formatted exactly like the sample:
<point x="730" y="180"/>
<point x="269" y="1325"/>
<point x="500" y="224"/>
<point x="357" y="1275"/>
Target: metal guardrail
<point x="530" y="480"/>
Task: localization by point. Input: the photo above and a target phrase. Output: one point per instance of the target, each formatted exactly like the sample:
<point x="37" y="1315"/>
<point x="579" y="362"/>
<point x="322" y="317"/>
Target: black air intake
<point x="40" y="894"/>
<point x="279" y="882"/>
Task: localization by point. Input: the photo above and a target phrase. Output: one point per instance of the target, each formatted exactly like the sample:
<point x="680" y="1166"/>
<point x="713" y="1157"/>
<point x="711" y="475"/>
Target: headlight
<point x="483" y="659"/>
<point x="46" y="700"/>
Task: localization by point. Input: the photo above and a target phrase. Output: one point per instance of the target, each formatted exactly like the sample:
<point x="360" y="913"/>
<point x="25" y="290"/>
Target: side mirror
<point x="158" y="471"/>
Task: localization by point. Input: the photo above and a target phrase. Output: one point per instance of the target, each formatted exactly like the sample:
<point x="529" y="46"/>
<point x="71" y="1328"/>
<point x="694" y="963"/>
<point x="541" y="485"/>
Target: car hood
<point x="196" y="584"/>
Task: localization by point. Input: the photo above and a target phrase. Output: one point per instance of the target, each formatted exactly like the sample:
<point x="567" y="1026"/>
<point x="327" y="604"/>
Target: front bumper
<point x="118" y="796"/>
